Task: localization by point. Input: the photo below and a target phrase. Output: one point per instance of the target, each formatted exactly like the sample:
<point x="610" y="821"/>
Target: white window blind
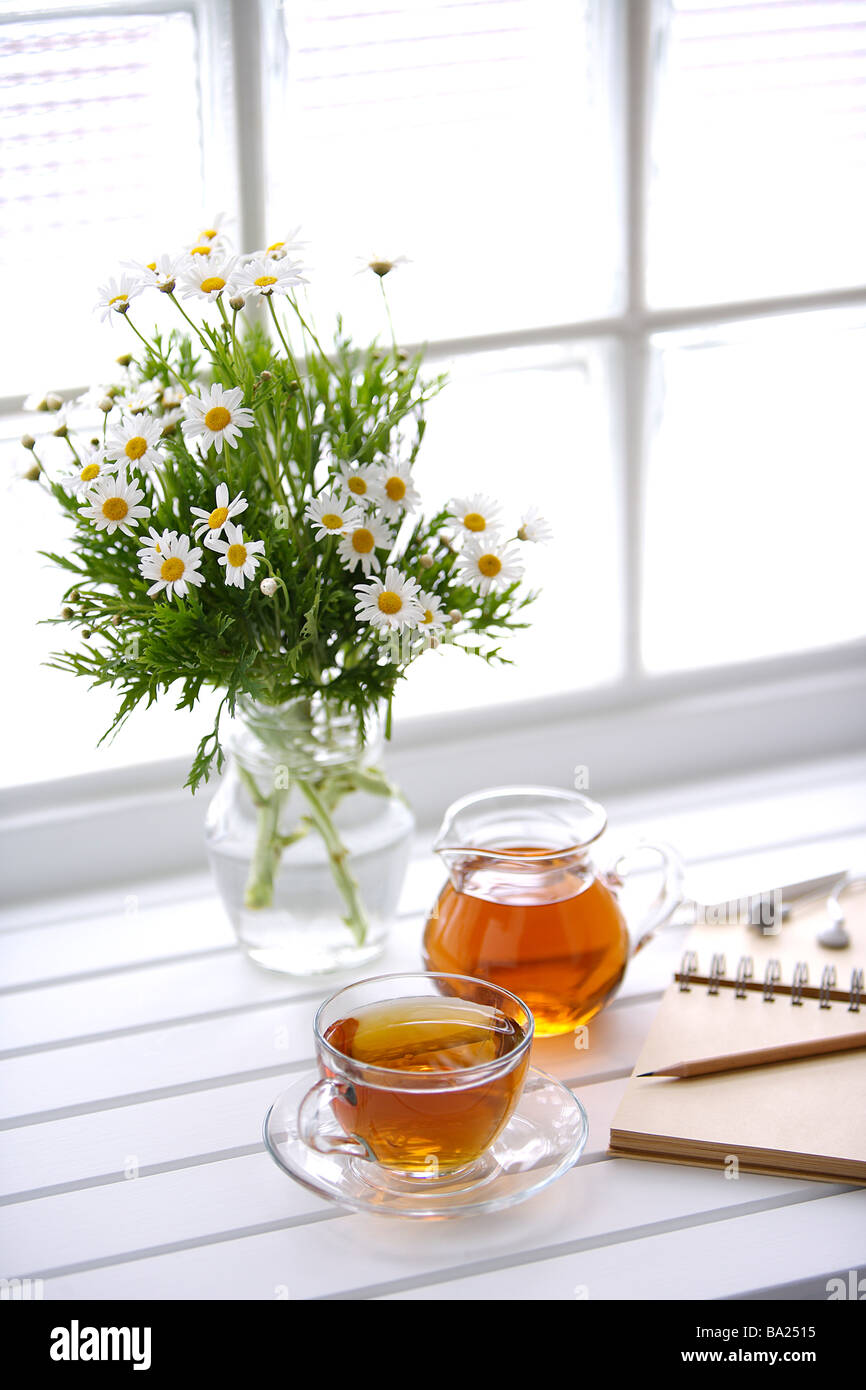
<point x="472" y="136"/>
<point x="759" y="149"/>
<point x="100" y="161"/>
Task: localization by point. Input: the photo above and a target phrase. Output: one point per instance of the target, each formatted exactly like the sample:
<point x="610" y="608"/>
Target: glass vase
<point x="307" y="839"/>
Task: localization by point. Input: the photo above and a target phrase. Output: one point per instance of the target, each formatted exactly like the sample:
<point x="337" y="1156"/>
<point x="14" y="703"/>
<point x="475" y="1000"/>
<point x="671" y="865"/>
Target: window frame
<point x="244" y="57"/>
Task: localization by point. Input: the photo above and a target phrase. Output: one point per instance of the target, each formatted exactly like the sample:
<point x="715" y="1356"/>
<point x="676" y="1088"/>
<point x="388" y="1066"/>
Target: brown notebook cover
<point x="801" y="1119"/>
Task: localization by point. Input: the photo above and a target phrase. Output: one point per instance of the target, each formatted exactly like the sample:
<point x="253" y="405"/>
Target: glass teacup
<point x="421" y="1072"/>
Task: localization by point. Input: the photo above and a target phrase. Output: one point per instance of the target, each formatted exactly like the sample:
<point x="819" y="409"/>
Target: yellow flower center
<point x="264" y="280"/>
<point x="210" y="233"/>
<point x="389" y="602"/>
<point x="489" y="565"/>
<point x="276" y="246"/>
<point x="363" y="540"/>
<point x="201" y="251"/>
<point x="135" y="447"/>
<point x="428" y="616"/>
<point x="217" y="417"/>
<point x="151" y="265"/>
<point x="211" y="283"/>
<point x="114" y="509"/>
<point x="396" y="489"/>
<point x="332" y="521"/>
<point x="236" y="555"/>
<point x="474" y="521"/>
<point x="358" y="486"/>
<point x="90" y="471"/>
<point x="118" y="298"/>
<point x="218" y="516"/>
<point x="172" y="569"/>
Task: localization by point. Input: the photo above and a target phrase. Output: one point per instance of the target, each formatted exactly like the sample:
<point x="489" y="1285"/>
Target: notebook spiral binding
<point x="743" y="983"/>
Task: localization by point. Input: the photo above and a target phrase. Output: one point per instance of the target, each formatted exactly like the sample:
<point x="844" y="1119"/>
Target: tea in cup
<point x="421" y="1071"/>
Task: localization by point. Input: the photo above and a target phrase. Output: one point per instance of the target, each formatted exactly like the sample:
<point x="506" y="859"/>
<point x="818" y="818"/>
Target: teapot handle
<point x="669" y="896"/>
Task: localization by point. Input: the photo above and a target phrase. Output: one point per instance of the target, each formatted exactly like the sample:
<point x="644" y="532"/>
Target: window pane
<point x="101" y="162"/>
<point x="756" y="491"/>
<point x="531" y="428"/>
<point x="759" y="149"/>
<point x="473" y="137"/>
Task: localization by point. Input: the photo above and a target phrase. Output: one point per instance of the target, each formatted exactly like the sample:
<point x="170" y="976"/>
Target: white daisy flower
<point x="267" y="277"/>
<point x="534" y="527"/>
<point x="394" y="489"/>
<point x="475" y="514"/>
<point x="217" y="416"/>
<point x="358" y="545"/>
<point x="488" y="564"/>
<point x="116" y="294"/>
<point x="280" y="249"/>
<point x="433" y="619"/>
<point x="332" y="514"/>
<point x="172" y="564"/>
<point x="381" y="265"/>
<point x="213" y="522"/>
<point x="151" y="546"/>
<point x="391" y="603"/>
<point x="359" y="482"/>
<point x="169" y="421"/>
<point x="43" y="400"/>
<point x="205" y="276"/>
<point x="140" y="398"/>
<point x="160" y="274"/>
<point x="134" y="441"/>
<point x="114" y="504"/>
<point x="215" y="228"/>
<point x="239" y="557"/>
<point x="172" y="396"/>
<point x="93" y="465"/>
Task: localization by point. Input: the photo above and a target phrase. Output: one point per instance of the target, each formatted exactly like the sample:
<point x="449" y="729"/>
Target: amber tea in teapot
<point x="524" y="908"/>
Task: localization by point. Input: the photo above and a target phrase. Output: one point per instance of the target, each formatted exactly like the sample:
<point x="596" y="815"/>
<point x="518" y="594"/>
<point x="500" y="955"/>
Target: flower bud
<point x="87" y="634"/>
<point x="116" y="620"/>
<point x="266" y="376"/>
<point x="269" y="587"/>
<point x="455" y="615"/>
<point x="33" y="473"/>
<point x="28" y="441"/>
<point x="426" y="562"/>
<point x="61" y="432"/>
<point x="66" y="613"/>
<point x="114" y="391"/>
<point x="237" y="301"/>
<point x="106" y="405"/>
<point x="124" y="359"/>
<point x="52" y="402"/>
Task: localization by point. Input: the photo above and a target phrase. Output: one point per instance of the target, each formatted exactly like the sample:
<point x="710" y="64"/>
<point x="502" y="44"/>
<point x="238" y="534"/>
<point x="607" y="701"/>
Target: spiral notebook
<point x="736" y="991"/>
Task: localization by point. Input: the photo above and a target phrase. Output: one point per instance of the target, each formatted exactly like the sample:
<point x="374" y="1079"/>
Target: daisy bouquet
<point x="246" y="518"/>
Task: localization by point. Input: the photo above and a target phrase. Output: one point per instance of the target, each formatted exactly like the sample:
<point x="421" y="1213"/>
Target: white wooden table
<point x="140" y="1051"/>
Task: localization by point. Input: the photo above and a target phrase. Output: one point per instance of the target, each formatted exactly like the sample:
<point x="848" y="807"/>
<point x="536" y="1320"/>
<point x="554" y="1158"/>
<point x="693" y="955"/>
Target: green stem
<point x="356" y="917"/>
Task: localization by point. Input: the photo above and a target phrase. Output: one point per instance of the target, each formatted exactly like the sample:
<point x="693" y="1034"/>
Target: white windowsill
<point x="128" y="824"/>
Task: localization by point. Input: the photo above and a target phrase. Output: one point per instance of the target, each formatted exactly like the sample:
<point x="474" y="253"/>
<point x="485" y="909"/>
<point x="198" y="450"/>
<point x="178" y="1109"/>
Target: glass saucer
<point x="544" y="1137"/>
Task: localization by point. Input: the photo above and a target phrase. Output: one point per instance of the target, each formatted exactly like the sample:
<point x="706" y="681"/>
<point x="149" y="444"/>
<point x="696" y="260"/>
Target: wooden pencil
<point x="759" y="1057"/>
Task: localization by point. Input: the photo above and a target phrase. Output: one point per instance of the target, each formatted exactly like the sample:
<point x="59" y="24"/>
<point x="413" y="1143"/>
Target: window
<point x="637" y="235"/>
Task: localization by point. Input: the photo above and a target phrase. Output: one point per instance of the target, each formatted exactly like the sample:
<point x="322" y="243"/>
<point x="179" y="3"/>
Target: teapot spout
<point x="457" y="861"/>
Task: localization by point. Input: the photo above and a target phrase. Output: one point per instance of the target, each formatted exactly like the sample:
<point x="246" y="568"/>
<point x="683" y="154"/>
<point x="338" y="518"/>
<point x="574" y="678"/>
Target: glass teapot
<point x="525" y="908"/>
